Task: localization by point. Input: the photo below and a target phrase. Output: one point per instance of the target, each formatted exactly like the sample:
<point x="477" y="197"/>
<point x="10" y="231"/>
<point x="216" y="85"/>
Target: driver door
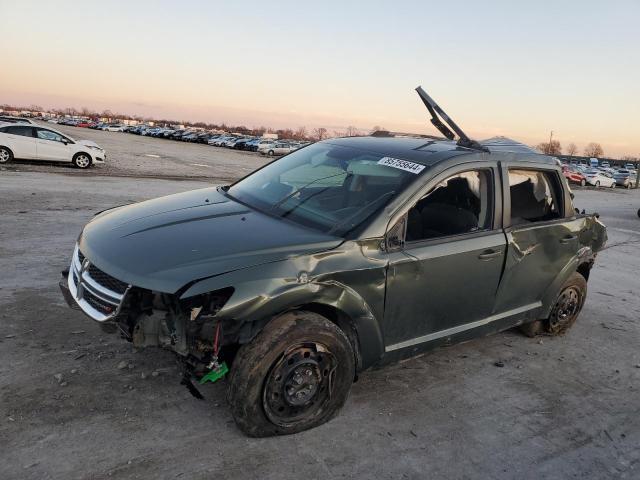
<point x="51" y="146"/>
<point x="443" y="278"/>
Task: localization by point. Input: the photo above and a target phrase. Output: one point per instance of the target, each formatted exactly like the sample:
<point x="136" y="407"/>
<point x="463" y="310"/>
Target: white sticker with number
<point x="401" y="164"/>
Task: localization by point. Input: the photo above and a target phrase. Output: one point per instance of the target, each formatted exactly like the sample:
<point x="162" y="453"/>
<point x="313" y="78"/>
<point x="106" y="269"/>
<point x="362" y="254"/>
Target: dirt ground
<point x="559" y="407"/>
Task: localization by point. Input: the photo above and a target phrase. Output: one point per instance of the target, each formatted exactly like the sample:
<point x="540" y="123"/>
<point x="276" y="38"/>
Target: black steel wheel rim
<point x="565" y="310"/>
<point x="299" y="384"/>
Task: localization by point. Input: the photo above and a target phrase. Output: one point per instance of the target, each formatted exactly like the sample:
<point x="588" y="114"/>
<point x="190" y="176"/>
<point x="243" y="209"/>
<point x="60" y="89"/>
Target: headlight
<point x="95" y="147"/>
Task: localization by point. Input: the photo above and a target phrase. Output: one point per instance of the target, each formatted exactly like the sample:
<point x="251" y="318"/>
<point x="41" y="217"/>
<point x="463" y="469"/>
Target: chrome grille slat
<point x="95" y="293"/>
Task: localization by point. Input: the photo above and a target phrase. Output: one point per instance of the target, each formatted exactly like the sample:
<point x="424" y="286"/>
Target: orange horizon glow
<point x="515" y="72"/>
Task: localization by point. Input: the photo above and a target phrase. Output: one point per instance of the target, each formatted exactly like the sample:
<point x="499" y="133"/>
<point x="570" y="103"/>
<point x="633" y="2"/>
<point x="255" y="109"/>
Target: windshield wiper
<point x="359" y="211"/>
<point x="287" y="197"/>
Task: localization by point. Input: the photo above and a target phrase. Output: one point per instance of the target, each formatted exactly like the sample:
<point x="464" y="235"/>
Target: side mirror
<point x="65" y="141"/>
<point x="395" y="236"/>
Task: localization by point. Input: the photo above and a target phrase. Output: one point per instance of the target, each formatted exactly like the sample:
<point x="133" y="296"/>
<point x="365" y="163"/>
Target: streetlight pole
<point x="550" y="140"/>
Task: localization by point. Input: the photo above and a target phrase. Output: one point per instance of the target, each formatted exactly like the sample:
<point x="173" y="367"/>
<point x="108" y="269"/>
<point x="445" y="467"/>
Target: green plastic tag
<point x="215" y="374"/>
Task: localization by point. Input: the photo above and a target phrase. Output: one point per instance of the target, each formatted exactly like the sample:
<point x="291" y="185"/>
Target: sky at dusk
<point x="509" y="68"/>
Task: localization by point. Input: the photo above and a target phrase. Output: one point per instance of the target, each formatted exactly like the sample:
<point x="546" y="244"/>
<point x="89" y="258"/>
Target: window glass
<point x="22" y="131"/>
<point x="533" y="197"/>
<point x="49" y="135"/>
<point x="327" y="187"/>
<point x="462" y="203"/>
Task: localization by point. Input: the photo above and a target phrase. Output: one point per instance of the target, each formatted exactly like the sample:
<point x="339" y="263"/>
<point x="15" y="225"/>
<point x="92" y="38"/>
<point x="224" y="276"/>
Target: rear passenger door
<point x="443" y="279"/>
<point x="542" y="239"/>
<point x="20" y="139"/>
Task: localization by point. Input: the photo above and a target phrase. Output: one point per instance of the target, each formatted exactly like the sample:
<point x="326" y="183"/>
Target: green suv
<point x="345" y="254"/>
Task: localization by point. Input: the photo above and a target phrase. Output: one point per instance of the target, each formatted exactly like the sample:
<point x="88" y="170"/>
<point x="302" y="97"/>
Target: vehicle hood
<point x="165" y="243"/>
<point x="88" y="143"/>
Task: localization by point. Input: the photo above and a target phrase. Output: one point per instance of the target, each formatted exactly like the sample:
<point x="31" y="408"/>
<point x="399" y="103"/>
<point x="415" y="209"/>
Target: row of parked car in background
<point x="603" y="175"/>
<point x="264" y="145"/>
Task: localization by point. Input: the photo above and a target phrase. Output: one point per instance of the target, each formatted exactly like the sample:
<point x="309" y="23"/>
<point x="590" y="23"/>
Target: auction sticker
<point x="401" y="164"/>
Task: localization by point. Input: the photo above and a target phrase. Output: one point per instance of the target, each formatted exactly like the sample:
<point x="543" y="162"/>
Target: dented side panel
<point x="350" y="279"/>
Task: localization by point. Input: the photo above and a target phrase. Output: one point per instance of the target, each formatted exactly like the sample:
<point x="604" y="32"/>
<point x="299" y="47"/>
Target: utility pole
<point x="550" y="139"/>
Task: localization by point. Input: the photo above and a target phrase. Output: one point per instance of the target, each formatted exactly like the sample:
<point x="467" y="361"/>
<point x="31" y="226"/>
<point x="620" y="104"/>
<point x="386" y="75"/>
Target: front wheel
<point x="5" y="155"/>
<point x="294" y="375"/>
<point x="82" y="160"/>
<point x="270" y="153"/>
<point x="613" y="185"/>
<point x="598" y="184"/>
<point x="565" y="311"/>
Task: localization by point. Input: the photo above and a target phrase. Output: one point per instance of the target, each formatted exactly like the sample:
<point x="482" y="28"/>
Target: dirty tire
<point x="81" y="160"/>
<point x="565" y="311"/>
<point x="6" y="155"/>
<point x="267" y="371"/>
<point x="568" y="305"/>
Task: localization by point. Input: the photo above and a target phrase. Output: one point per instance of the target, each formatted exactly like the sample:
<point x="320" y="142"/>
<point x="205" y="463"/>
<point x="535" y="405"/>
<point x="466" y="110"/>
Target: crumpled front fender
<point x="343" y="280"/>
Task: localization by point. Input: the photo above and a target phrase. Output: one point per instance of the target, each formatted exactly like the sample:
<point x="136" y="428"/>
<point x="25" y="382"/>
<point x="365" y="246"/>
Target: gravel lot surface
<point x="78" y="403"/>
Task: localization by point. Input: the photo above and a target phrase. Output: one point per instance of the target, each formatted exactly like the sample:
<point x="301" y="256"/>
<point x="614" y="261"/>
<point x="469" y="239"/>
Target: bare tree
<point x="553" y="148"/>
<point x="377" y="128"/>
<point x="593" y="150"/>
<point x="572" y="149"/>
<point x="351" y="131"/>
<point x="320" y="133"/>
<point x="301" y="133"/>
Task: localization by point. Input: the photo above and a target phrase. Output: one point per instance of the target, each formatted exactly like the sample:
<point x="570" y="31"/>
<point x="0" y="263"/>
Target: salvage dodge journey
<point x="346" y="254"/>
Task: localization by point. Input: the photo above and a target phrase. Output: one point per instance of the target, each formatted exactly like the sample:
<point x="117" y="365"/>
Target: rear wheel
<point x="82" y="160"/>
<point x="598" y="184"/>
<point x="583" y="182"/>
<point x="613" y="185"/>
<point x="270" y="153"/>
<point x="5" y="155"/>
<point x="565" y="311"/>
<point x="294" y="375"/>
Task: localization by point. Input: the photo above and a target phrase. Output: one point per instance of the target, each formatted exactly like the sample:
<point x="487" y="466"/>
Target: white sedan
<point x="276" y="148"/>
<point x="32" y="142"/>
<point x="600" y="179"/>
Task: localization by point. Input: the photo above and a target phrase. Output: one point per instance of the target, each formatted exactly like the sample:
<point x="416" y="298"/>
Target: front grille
<point x="97" y="293"/>
<point x="100" y="305"/>
<point x="106" y="280"/>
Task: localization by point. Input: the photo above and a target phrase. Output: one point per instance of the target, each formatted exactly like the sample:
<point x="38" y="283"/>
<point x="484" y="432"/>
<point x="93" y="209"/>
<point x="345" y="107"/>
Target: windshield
<point x="327" y="187"/>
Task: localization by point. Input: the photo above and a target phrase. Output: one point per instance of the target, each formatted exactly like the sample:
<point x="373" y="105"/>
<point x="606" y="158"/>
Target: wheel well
<point x="584" y="269"/>
<point x="83" y="153"/>
<point x="342" y="320"/>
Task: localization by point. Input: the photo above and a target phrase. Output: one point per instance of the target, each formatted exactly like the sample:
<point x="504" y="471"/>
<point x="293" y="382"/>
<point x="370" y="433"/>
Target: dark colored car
<point x="342" y="255"/>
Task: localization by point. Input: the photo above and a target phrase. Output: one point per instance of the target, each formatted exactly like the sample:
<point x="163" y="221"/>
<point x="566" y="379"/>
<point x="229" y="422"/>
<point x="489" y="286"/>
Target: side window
<point x="49" y="135"/>
<point x="462" y="203"/>
<point x="534" y="196"/>
<point x="22" y="131"/>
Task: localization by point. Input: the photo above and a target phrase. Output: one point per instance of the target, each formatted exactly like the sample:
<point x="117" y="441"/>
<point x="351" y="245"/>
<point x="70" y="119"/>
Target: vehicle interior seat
<point x="525" y="207"/>
<point x="449" y="210"/>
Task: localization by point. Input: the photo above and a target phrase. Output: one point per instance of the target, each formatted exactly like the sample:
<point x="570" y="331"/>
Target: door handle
<point x="567" y="239"/>
<point x="489" y="254"/>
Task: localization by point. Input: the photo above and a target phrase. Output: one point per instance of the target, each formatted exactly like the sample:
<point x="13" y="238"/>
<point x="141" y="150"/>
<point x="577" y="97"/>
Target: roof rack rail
<point x="437" y="115"/>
